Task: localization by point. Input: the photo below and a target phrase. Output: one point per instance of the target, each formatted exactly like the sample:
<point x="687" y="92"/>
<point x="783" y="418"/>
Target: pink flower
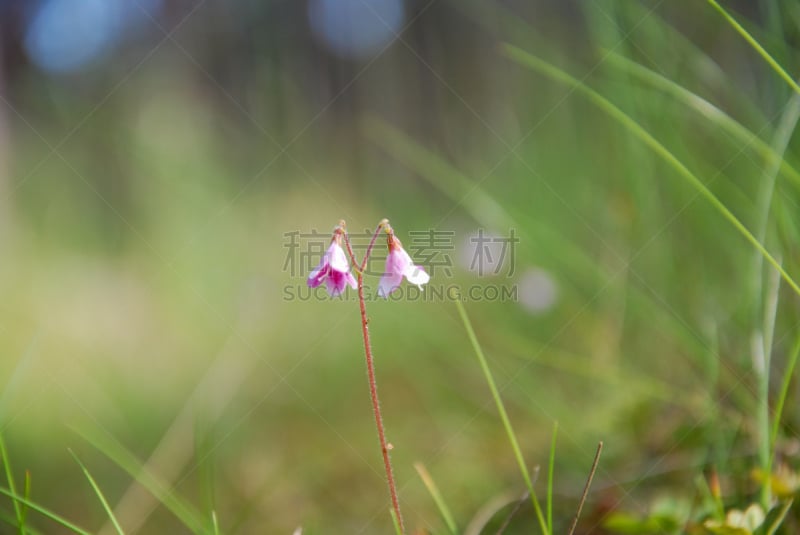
<point x="399" y="265"/>
<point x="334" y="269"/>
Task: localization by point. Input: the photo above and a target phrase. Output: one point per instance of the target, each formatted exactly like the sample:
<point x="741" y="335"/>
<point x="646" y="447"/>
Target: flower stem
<point x="373" y="386"/>
<point x="383" y="224"/>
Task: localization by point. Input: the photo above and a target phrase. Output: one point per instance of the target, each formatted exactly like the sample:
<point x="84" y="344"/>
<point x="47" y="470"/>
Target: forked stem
<point x="373" y="386"/>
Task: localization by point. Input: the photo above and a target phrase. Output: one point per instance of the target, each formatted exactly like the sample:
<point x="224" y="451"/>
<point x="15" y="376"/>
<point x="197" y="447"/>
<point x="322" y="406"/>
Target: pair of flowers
<point x="334" y="269"/>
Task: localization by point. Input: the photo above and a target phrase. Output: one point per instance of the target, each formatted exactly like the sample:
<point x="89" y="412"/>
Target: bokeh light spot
<point x="67" y="35"/>
<point x="537" y="291"/>
<point x="355" y="28"/>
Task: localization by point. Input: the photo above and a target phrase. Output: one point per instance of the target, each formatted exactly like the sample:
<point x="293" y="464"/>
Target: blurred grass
<point x="544" y="524"/>
<point x="143" y="283"/>
<point x="100" y="497"/>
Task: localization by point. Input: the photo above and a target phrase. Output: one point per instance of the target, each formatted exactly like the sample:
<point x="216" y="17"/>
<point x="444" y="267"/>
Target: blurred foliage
<point x="144" y="207"/>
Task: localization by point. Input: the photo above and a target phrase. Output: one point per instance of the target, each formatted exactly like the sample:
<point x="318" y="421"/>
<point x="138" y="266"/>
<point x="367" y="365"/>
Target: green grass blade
<point x="503" y="415"/>
<point x="764" y="203"/>
<point x="706" y="109"/>
<point x="44" y="512"/>
<point x="397" y="529"/>
<point x="203" y="434"/>
<point x="779" y="519"/>
<point x="112" y="449"/>
<point x="99" y="493"/>
<point x="27" y="496"/>
<point x="11" y="485"/>
<point x="215" y="522"/>
<point x="11" y="520"/>
<point x="756" y="46"/>
<point x="430" y="484"/>
<point x="542" y="67"/>
<point x="762" y="373"/>
<point x="550" y="468"/>
<point x="781" y="402"/>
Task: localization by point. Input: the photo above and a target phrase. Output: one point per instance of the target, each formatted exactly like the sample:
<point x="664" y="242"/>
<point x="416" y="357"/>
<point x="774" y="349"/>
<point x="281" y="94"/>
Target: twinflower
<point x="399" y="265"/>
<point x="334" y="268"/>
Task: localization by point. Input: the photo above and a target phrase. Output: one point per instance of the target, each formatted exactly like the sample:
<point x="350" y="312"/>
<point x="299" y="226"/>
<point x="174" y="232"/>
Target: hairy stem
<point x="382" y="225"/>
<point x="373" y="386"/>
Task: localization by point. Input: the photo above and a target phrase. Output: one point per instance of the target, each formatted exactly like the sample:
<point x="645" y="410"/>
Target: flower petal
<point x="396" y="262"/>
<point x="316" y="277"/>
<point x="351" y="280"/>
<point x="336" y="282"/>
<point x="389" y="282"/>
<point x="416" y="275"/>
<point x="337" y="258"/>
<point x="399" y="260"/>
